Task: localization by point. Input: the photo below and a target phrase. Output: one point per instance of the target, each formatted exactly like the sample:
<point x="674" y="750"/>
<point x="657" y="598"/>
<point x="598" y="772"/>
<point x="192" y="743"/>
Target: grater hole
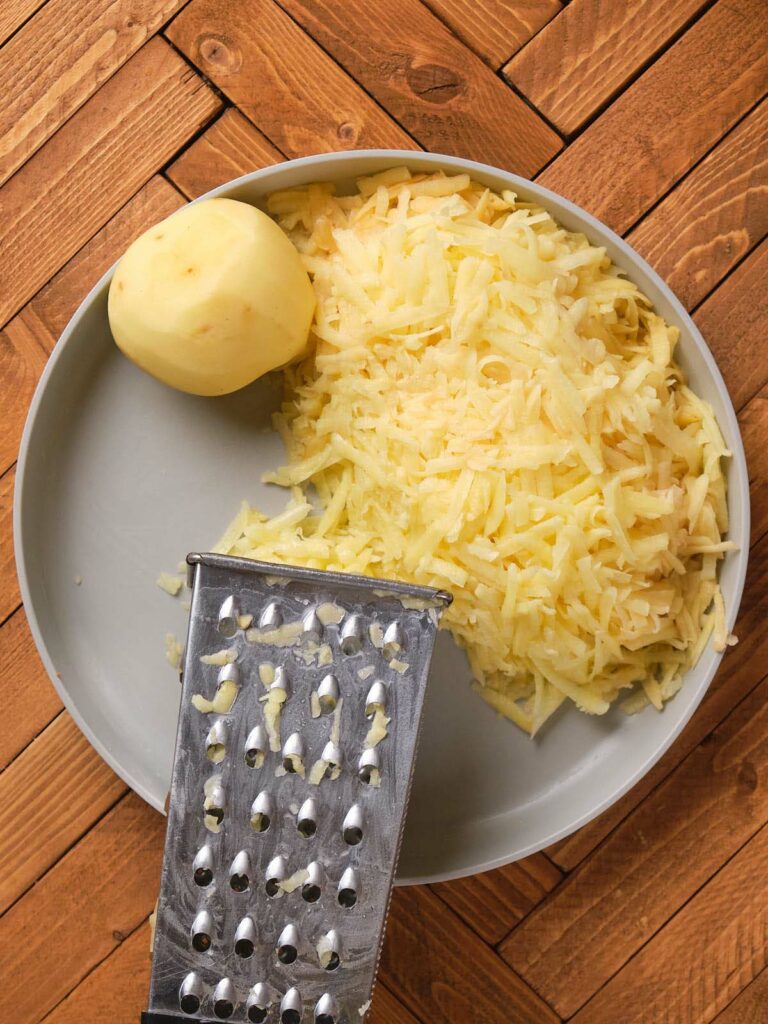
<point x="347" y="898"/>
<point x="366" y="774"/>
<point x="287" y="954"/>
<point x="201" y="942"/>
<point x="239" y="883"/>
<point x="307" y="827"/>
<point x="254" y="757"/>
<point x="223" y="1008"/>
<point x="310" y="892"/>
<point x="325" y="1018"/>
<point x="351" y="645"/>
<point x="353" y="835"/>
<point x="190" y="1003"/>
<point x="290" y="1017"/>
<point x="333" y="962"/>
<point x="260" y="822"/>
<point x="203" y="876"/>
<point x="217" y="813"/>
<point x="244" y="948"/>
<point x="257" y="1014"/>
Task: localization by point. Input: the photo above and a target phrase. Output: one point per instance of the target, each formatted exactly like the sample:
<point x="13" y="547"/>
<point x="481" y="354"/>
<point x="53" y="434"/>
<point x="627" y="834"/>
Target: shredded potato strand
<point x="493" y="409"/>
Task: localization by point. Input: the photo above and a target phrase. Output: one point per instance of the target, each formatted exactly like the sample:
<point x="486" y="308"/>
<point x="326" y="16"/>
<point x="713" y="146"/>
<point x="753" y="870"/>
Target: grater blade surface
<point x="302" y="693"/>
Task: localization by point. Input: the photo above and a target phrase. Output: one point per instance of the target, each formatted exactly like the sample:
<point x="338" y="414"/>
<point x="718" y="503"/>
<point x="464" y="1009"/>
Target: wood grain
<point x="651" y="865"/>
<point x="229" y="148"/>
<point x="9" y="587"/>
<point x="491" y="903"/>
<point x="72" y="788"/>
<point x="495" y="29"/>
<point x="29" y="701"/>
<point x="715" y="217"/>
<point x="702" y="959"/>
<point x="427" y="954"/>
<point x="80" y="910"/>
<point x="14" y="13"/>
<point x="750" y="1006"/>
<point x="444" y="95"/>
<point x="669" y="118"/>
<point x="22" y="359"/>
<point x="280" y="79"/>
<point x="743" y="667"/>
<point x="734" y="322"/>
<point x="754" y="431"/>
<point x="94" y="164"/>
<point x="59" y="59"/>
<point x="586" y="55"/>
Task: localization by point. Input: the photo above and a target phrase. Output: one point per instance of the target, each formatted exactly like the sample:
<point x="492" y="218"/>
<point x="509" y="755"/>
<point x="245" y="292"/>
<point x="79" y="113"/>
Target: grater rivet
<point x="288" y="945"/>
<point x="228" y="615"/>
<point x="276" y="873"/>
<point x="329" y="950"/>
<point x="369" y="767"/>
<point x="240" y="872"/>
<point x="224" y="999"/>
<point x="312" y="889"/>
<point x="258" y="1003"/>
<point x="290" y="1007"/>
<point x="352" y="635"/>
<point x="312" y="626"/>
<point x="262" y="812"/>
<point x="190" y="993"/>
<point x="328" y="694"/>
<point x="245" y="938"/>
<point x="393" y="641"/>
<point x="216" y="742"/>
<point x="348" y="889"/>
<point x="293" y="755"/>
<point x="326" y="1009"/>
<point x="256" y="747"/>
<point x="306" y="819"/>
<point x="201" y="931"/>
<point x="271" y="618"/>
<point x="202" y="866"/>
<point x="376" y="699"/>
<point x="352" y="826"/>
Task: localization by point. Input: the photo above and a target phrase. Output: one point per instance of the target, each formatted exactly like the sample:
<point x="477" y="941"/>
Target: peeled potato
<point x="211" y="298"/>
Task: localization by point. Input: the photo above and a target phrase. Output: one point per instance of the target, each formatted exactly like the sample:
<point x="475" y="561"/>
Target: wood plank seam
<point x="540" y="114"/>
<point x="678" y="767"/>
<point x="358" y="83"/>
<point x="21" y="24"/>
<point x="669" y="920"/>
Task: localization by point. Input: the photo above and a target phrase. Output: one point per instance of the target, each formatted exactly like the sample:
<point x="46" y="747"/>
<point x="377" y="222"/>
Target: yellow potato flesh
<point x="211" y="298"/>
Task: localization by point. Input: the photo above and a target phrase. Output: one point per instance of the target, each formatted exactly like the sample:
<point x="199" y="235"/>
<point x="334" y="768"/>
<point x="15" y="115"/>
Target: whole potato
<point x="211" y="298"/>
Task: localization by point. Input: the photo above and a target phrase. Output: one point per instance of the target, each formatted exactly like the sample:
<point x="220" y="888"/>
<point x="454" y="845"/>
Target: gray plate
<point x="120" y="477"/>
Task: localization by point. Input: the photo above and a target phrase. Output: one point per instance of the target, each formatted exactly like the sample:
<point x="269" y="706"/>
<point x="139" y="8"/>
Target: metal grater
<point x="286" y="810"/>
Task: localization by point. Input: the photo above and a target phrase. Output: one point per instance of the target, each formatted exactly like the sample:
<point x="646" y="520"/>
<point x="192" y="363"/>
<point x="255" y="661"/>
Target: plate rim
<point x="739" y="557"/>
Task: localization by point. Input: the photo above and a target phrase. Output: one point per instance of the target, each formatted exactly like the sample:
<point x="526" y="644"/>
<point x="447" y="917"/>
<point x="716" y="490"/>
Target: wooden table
<point x="652" y="115"/>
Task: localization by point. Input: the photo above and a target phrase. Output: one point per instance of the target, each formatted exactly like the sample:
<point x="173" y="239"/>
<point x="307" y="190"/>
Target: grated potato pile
<point x="493" y="409"/>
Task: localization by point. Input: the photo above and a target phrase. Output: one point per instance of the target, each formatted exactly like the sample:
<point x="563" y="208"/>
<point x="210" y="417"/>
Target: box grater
<point x="302" y="693"/>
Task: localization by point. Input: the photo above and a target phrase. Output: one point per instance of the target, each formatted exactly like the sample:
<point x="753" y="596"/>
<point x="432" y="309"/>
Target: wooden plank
<point x="491" y="903"/>
<point x="280" y="79"/>
<point x="115" y="991"/>
<point x="669" y="118"/>
<point x="29" y="701"/>
<point x="495" y="29"/>
<point x="750" y="1006"/>
<point x="387" y="1008"/>
<point x="94" y="164"/>
<point x="10" y="598"/>
<point x="734" y="322"/>
<point x="714" y="217"/>
<point x="59" y="59"/>
<point x="651" y="865"/>
<point x="14" y="13"/>
<point x="443" y="94"/>
<point x="702" y="959"/>
<point x="72" y="788"/>
<point x="754" y="432"/>
<point x="55" y="303"/>
<point x="589" y="53"/>
<point x="22" y="359"/>
<point x="80" y="910"/>
<point x="229" y="148"/>
<point x="427" y="955"/>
